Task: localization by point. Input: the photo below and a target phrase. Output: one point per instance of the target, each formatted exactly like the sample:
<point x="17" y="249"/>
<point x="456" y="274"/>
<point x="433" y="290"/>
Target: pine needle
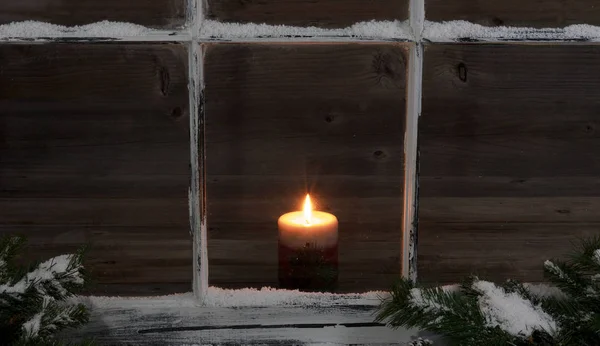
<point x="473" y="313"/>
<point x="33" y="298"/>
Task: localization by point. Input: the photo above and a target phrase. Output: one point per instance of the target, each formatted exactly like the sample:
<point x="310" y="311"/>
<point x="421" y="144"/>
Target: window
<point x="104" y="127"/>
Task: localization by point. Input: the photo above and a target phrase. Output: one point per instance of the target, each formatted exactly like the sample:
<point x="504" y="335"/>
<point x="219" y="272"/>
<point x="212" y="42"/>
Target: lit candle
<point x="308" y="249"/>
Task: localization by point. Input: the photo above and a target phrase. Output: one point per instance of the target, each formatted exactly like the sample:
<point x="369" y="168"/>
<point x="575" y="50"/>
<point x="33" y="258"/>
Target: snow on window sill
<point x="373" y="30"/>
<point x="247" y="297"/>
<point x="210" y="30"/>
<point x="462" y="31"/>
<point x="100" y="31"/>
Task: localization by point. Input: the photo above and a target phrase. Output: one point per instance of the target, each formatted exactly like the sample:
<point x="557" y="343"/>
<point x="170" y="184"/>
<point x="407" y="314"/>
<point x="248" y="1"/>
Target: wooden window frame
<point x="197" y="196"/>
<point x="190" y="35"/>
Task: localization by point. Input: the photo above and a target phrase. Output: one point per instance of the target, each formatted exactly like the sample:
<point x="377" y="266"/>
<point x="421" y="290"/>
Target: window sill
<point x="181" y="320"/>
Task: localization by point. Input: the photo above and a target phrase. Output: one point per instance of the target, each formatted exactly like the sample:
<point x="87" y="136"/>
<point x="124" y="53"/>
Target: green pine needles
<point x="34" y="303"/>
<point x="479" y="312"/>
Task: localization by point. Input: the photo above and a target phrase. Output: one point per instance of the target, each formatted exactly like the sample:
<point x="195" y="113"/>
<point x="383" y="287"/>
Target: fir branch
<point x="420" y="342"/>
<point x="472" y="314"/>
<point x="53" y="342"/>
<point x="440" y="310"/>
<point x="481" y="313"/>
<point x="54" y="317"/>
<point x="513" y="312"/>
<point x="33" y="306"/>
<point x="585" y="255"/>
<point x="514" y="286"/>
<point x="391" y="309"/>
<point x="59" y="277"/>
<point x="565" y="276"/>
<point x="9" y="248"/>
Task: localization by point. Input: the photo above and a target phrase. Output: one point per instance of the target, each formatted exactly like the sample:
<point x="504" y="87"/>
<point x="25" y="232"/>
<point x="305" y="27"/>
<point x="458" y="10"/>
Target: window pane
<point x="509" y="158"/>
<point x="94" y="148"/>
<point x="286" y="120"/>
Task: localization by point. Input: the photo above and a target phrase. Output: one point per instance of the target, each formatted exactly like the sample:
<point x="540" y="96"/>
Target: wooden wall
<point x="94" y="143"/>
<point x="320" y="13"/>
<point x="510" y="164"/>
<point x="152" y="13"/>
<point x="284" y="119"/>
<point x="529" y="13"/>
<point x="94" y="149"/>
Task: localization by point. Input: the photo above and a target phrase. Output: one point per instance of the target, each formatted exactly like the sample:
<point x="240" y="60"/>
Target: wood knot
<point x="379" y="154"/>
<point x="589" y="128"/>
<point x="387" y="66"/>
<point x="165" y="80"/>
<point x="462" y="72"/>
<point x="329" y="118"/>
<point x="176" y="113"/>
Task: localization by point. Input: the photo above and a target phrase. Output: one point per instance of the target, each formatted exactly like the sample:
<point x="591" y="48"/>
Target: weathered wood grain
<point x="94" y="150"/>
<point x="532" y="13"/>
<point x="507" y="186"/>
<point x="167" y="321"/>
<point x="512" y="209"/>
<point x="320" y="13"/>
<point x="282" y="120"/>
<point x="152" y="13"/>
<point x="494" y="250"/>
<point x="509" y="158"/>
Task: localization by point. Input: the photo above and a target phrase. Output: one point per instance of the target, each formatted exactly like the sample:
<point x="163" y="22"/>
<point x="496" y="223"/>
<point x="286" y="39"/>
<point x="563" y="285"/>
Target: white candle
<point x="308" y="249"/>
<point x="299" y="228"/>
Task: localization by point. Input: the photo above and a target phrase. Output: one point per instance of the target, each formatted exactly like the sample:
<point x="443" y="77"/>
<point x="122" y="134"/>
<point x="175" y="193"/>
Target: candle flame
<point x="307" y="209"/>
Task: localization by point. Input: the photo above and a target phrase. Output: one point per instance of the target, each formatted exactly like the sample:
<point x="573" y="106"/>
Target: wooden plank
<point x="509" y="163"/>
<point x="117" y="257"/>
<point x="322" y="13"/>
<point x="507" y="186"/>
<point x="480" y="155"/>
<point x="284" y="119"/>
<point x="147" y="288"/>
<point x="510" y="209"/>
<point x="107" y="211"/>
<point x="94" y="150"/>
<point x="533" y="13"/>
<point x="495" y="251"/>
<point x="168" y="321"/>
<point x="153" y="13"/>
